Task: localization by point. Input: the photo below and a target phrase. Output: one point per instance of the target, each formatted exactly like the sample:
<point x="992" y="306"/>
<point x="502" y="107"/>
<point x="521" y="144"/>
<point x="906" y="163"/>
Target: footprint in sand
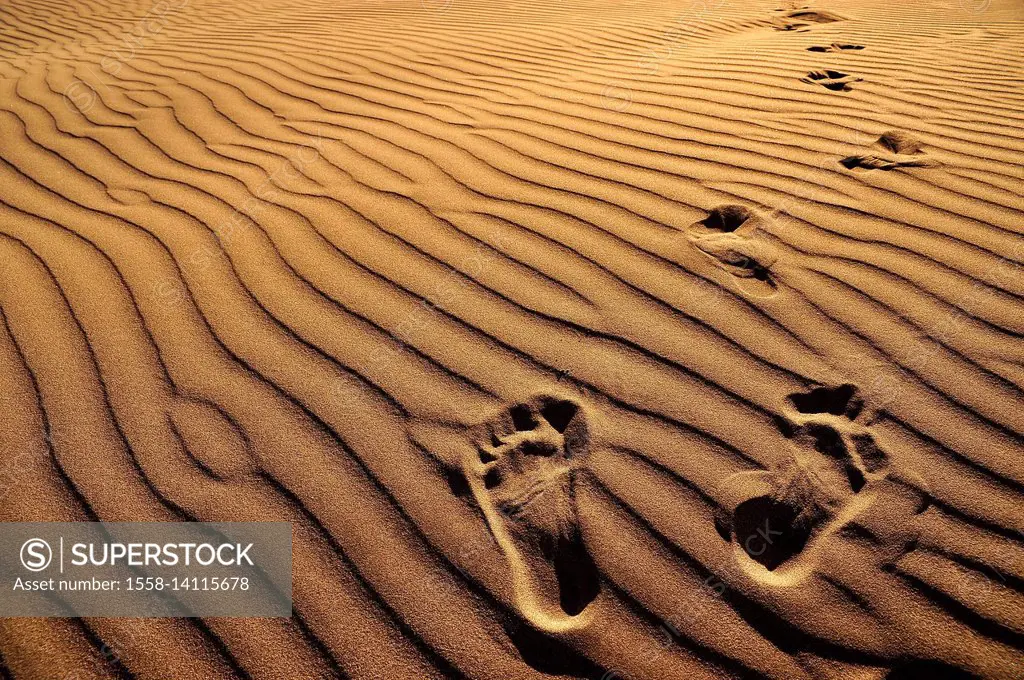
<point x="729" y="236"/>
<point x="779" y="519"/>
<point x="522" y="475"/>
<point x="803" y="18"/>
<point x="894" y="149"/>
<point x="834" y="47"/>
<point x="837" y="81"/>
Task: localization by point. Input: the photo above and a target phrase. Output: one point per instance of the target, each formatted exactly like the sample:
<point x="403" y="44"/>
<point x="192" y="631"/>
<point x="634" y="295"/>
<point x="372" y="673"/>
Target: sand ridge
<point x="583" y="339"/>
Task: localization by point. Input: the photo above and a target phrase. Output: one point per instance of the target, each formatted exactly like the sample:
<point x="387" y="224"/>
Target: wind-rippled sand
<point x="592" y="339"/>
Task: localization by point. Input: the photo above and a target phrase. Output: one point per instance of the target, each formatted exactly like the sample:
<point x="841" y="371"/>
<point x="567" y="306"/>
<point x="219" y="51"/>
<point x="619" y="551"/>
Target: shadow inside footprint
<point x="523" y="478"/>
<point x="834" y="47"/>
<point x="769" y="531"/>
<point x="839" y="401"/>
<point x="559" y="414"/>
<point x="928" y="670"/>
<point x="578" y="584"/>
<point x="550" y="656"/>
<point x="726" y="218"/>
<point x="837" y="81"/>
<point x="872" y="162"/>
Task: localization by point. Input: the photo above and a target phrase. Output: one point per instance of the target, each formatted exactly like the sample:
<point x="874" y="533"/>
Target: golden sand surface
<point x="585" y="339"/>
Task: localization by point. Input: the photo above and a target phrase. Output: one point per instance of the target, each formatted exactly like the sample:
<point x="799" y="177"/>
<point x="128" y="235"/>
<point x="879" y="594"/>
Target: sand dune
<point x="529" y="316"/>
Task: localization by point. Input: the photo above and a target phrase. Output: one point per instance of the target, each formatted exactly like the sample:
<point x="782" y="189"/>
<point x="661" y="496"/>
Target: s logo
<point x="36" y="554"/>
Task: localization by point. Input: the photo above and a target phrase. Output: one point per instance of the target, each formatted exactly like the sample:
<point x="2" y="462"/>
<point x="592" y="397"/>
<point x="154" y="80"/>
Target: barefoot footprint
<point x="779" y="519"/>
<point x="837" y="81"/>
<point x="894" y="149"/>
<point x="728" y="235"/>
<point x="523" y="475"/>
<point x="834" y="47"/>
<point x="802" y="18"/>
